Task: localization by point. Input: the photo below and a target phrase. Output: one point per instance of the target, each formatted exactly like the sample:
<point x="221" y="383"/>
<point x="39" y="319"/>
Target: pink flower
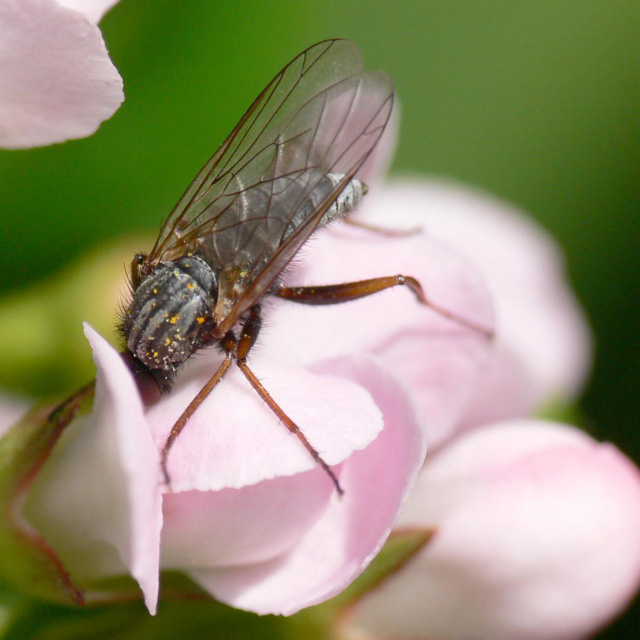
<point x="536" y="527"/>
<point x="543" y="352"/>
<point x="250" y="516"/>
<point x="537" y="531"/>
<point x="56" y="79"/>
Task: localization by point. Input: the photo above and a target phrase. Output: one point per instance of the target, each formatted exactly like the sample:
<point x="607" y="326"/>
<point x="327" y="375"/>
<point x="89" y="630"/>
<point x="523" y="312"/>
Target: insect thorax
<point x="170" y="313"/>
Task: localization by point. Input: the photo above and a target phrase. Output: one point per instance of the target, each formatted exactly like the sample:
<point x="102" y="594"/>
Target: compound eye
<point x="139" y="269"/>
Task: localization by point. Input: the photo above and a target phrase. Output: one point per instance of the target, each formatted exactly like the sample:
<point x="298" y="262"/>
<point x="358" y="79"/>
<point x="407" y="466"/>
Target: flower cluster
<point x="250" y="516"/>
<point x="533" y="527"/>
<point x="530" y="520"/>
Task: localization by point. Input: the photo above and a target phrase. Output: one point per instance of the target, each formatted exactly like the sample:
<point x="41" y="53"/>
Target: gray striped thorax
<point x="170" y="312"/>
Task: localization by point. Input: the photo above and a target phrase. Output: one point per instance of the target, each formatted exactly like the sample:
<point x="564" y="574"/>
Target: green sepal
<point x="27" y="562"/>
<point x="401" y="547"/>
<point x="560" y="410"/>
<point x="185" y="610"/>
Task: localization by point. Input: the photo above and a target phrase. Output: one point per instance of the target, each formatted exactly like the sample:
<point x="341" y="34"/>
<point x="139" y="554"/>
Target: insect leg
<point x="194" y="404"/>
<point x="383" y="231"/>
<point x="347" y="291"/>
<point x="250" y="331"/>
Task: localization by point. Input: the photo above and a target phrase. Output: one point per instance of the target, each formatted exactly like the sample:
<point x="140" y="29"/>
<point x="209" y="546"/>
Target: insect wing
<point x="248" y="210"/>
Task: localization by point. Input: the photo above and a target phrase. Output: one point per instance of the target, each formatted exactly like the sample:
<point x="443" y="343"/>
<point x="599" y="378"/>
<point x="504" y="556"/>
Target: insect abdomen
<point x="348" y="200"/>
<point x="170" y="313"/>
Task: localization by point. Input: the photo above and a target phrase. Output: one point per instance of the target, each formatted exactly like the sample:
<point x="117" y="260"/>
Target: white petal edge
<point x="94" y="10"/>
<point x="57" y="81"/>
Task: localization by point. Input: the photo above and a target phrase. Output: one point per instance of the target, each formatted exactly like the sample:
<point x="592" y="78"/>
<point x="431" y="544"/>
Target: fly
<point x="287" y="169"/>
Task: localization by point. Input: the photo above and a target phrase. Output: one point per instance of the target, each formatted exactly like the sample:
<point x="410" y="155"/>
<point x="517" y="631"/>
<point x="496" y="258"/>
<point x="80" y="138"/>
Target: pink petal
<point x="341" y="543"/>
<point x="234" y="439"/>
<point x="538" y="319"/>
<point x="538" y="535"/>
<point x="93" y="9"/>
<point x="439" y="360"/>
<point x="98" y="500"/>
<point x="377" y="165"/>
<point x="209" y="529"/>
<point x="504" y="389"/>
<point x="56" y="79"/>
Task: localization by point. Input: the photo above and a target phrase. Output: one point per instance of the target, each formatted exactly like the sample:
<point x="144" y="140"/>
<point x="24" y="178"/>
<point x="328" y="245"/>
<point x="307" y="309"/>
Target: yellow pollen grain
<point x="173" y="319"/>
<point x="155" y="291"/>
<point x="199" y="319"/>
<point x="167" y="341"/>
<point x="189" y="285"/>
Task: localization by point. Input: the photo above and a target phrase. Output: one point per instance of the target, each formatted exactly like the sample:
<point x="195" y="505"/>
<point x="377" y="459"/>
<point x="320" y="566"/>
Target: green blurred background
<point x="537" y="102"/>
